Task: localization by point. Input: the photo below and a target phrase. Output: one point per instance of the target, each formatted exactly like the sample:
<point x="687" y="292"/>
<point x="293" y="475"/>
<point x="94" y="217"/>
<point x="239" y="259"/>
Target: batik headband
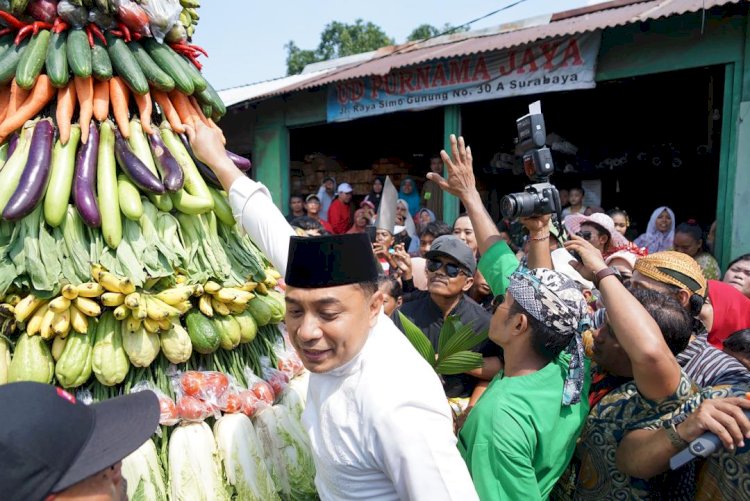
<point x="555" y="300"/>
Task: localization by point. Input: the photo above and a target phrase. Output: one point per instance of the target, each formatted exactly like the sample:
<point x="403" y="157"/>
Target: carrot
<point x="183" y="107"/>
<point x="40" y="96"/>
<point x="197" y="111"/>
<point x="118" y="100"/>
<point x="4" y="101"/>
<point x="85" y="93"/>
<point x="17" y="96"/>
<point x="101" y="100"/>
<point x="167" y="109"/>
<point x="66" y="105"/>
<point x="144" y="109"/>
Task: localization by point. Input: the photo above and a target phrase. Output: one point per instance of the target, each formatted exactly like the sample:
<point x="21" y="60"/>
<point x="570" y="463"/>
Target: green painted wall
<point x="451" y="125"/>
<point x="271" y="150"/>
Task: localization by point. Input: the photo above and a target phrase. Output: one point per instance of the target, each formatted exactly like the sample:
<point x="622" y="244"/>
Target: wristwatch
<point x="677" y="441"/>
<point x="605" y="272"/>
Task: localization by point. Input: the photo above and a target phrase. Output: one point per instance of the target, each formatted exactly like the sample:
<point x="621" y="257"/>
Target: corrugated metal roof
<point x="595" y="17"/>
<point x="235" y="95"/>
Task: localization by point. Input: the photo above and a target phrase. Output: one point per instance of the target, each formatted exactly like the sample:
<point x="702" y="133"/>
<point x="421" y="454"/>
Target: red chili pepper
<point x="39" y="25"/>
<point x="97" y="33"/>
<point x="116" y="33"/>
<point x="195" y="62"/>
<point x="59" y="26"/>
<point x="23" y="33"/>
<point x="199" y="49"/>
<point x="5" y="31"/>
<point x="137" y="36"/>
<point x="125" y="31"/>
<point x="90" y="37"/>
<point x="11" y="20"/>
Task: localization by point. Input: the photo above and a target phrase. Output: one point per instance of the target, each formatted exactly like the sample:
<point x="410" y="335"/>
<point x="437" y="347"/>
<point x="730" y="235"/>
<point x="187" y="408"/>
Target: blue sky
<point x="245" y="39"/>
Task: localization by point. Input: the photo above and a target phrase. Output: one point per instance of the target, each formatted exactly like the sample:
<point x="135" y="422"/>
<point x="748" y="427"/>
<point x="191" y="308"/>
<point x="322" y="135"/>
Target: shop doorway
<point x="396" y="144"/>
<point x="644" y="142"/>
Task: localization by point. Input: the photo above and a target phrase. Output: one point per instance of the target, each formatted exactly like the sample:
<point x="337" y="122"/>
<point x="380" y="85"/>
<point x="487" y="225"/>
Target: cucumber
<point x="32" y="60"/>
<point x="79" y="53"/>
<point x="168" y="61"/>
<point x="6" y="42"/>
<point x="203" y="335"/>
<point x="199" y="83"/>
<point x="57" y="60"/>
<point x="100" y="63"/>
<point x="129" y="198"/>
<point x="9" y="61"/>
<point x="155" y="75"/>
<point x="126" y="66"/>
<point x="210" y="97"/>
<point x="106" y="186"/>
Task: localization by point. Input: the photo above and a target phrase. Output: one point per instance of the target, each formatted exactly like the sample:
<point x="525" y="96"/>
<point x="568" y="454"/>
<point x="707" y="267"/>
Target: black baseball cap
<point x="51" y="441"/>
<point x="451" y="246"/>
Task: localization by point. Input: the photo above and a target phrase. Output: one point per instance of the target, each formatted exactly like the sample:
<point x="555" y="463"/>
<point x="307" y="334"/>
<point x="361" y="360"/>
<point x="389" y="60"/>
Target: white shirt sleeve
<point x="253" y="208"/>
<point x="419" y="454"/>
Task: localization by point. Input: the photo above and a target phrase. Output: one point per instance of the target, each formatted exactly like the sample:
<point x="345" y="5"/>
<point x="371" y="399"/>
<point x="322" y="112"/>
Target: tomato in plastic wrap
<point x="232" y="403"/>
<point x="263" y="392"/>
<point x="192" y="382"/>
<point x="250" y="403"/>
<point x="192" y="409"/>
<point x="215" y="384"/>
<point x="168" y="411"/>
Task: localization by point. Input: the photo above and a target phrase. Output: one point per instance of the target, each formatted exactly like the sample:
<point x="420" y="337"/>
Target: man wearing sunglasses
<point x="450" y="267"/>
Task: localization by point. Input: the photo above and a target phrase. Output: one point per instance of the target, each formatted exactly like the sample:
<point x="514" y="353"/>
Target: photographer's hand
<point x="461" y="183"/>
<point x="539" y="251"/>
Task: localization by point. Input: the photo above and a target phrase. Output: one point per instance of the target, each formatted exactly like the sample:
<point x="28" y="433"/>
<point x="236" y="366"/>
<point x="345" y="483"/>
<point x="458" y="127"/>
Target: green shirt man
<point x="521" y="434"/>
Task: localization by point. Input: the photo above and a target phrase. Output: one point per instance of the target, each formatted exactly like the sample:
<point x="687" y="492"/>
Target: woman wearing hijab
<point x="424" y="217"/>
<point x="659" y="234"/>
<point x="410" y="194"/>
<point x="402" y="208"/>
<point x="377" y="191"/>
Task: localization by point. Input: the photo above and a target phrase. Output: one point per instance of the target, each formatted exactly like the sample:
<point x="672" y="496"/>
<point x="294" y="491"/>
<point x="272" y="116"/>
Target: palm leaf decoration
<point x="417" y="338"/>
<point x="454" y="346"/>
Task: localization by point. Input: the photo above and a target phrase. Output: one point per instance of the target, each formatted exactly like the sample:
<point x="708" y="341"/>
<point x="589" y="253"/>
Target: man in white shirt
<point x="373" y="436"/>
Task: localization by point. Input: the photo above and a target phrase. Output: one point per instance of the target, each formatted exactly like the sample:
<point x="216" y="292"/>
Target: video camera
<point x="541" y="197"/>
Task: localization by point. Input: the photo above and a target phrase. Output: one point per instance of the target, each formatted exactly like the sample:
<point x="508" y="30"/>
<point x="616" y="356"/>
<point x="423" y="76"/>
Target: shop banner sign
<point x="547" y="66"/>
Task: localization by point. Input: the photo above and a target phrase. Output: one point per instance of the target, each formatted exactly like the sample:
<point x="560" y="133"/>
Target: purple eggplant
<point x="33" y="182"/>
<point x="12" y="143"/>
<point x="242" y="163"/>
<point x="84" y="180"/>
<point x="173" y="177"/>
<point x="204" y="169"/>
<point x="134" y="168"/>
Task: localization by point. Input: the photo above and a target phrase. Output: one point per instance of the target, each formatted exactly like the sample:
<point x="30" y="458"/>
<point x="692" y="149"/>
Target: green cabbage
<point x="242" y="456"/>
<point x="194" y="465"/>
<point x="144" y="474"/>
<point x="287" y="452"/>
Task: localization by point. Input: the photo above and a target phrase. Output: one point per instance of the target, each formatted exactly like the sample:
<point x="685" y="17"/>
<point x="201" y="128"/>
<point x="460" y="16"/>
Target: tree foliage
<point x="424" y="31"/>
<point x="337" y="40"/>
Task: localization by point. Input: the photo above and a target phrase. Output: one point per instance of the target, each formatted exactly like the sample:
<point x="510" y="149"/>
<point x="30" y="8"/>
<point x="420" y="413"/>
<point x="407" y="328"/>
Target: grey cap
<point x="452" y="246"/>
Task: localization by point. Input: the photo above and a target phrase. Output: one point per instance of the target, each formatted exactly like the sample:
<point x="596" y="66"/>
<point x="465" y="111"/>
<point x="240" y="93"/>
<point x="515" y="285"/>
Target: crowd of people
<point x="606" y="353"/>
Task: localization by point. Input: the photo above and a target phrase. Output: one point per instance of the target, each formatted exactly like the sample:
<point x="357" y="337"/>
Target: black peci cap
<point x="330" y="261"/>
<point x="51" y="441"/>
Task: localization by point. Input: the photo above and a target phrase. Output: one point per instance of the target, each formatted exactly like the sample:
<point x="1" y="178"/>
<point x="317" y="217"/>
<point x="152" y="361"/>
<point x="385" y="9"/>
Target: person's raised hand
<point x="722" y="416"/>
<point x="592" y="261"/>
<point x="536" y="224"/>
<point x="207" y="144"/>
<point x="461" y="181"/>
<point x="403" y="261"/>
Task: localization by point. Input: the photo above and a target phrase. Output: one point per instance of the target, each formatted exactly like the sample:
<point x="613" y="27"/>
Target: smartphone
<point x="371" y="232"/>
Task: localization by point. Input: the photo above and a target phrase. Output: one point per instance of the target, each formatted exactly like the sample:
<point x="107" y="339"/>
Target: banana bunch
<point x="189" y="16"/>
<point x="225" y="300"/>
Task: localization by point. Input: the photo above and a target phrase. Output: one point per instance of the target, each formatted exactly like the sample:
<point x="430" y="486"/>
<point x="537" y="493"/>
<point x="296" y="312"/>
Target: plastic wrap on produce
<point x="163" y="15"/>
<point x="75" y="15"/>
